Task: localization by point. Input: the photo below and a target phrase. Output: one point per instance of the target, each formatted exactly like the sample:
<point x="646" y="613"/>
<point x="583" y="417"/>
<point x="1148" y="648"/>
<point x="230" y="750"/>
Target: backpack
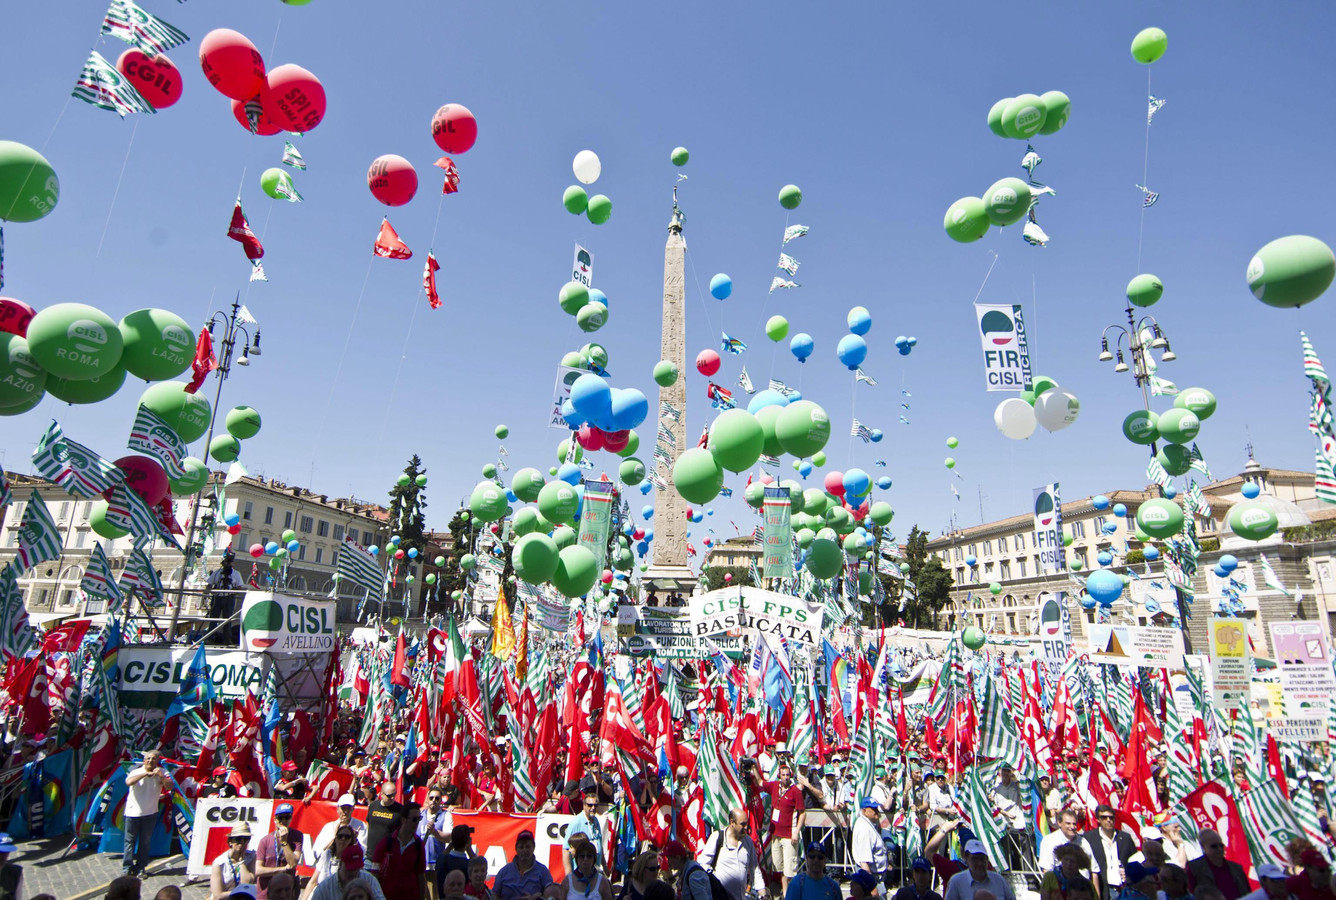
<point x="717" y="889"/>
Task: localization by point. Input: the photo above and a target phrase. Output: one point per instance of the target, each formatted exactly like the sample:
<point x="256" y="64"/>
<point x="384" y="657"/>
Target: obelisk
<point x="669" y="570"/>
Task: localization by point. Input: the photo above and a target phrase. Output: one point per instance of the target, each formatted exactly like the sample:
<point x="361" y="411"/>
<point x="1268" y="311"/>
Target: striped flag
<point x="127" y="21"/>
<point x="770" y="461"/>
<point x="127" y="511"/>
<point x="101" y="85"/>
<point x="6" y="494"/>
<point x="668" y="411"/>
<point x="291" y="156"/>
<point x="79" y="470"/>
<point x="1269" y="576"/>
<point x="745" y="382"/>
<point x="1198" y="462"/>
<point x="1269" y="822"/>
<point x="17" y="637"/>
<point x="141" y="578"/>
<point x="985" y="819"/>
<point x="1156" y="473"/>
<point x="1195" y="500"/>
<point x="99" y="583"/>
<point x="860" y="430"/>
<point x="39" y="538"/>
<point x="1154" y="105"/>
<point x="793" y="232"/>
<point x="998" y="737"/>
<point x="718" y="778"/>
<point x="361" y="568"/>
<point x="1324" y="478"/>
<point x="257" y="272"/>
<point x="788" y="264"/>
<point x="153" y="436"/>
<point x="778" y="283"/>
<point x="860" y="375"/>
<point x="1149" y="197"/>
<point x="1312" y="365"/>
<point x="673" y="691"/>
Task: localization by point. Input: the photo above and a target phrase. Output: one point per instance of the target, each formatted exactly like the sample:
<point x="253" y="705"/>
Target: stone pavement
<point x="85" y="874"/>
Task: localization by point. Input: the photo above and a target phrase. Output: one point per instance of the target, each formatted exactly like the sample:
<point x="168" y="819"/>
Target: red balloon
<point x="145" y="477"/>
<point x="707" y="362"/>
<point x="156" y="77"/>
<point x="607" y="576"/>
<point x="234" y="529"/>
<point x="638" y="534"/>
<point x="257" y="550"/>
<point x="728" y="576"/>
<point x="392" y="179"/>
<point x="231" y="63"/>
<point x="589" y="437"/>
<point x="264" y="126"/>
<point x="616" y="441"/>
<point x="15" y="316"/>
<point x="398" y="554"/>
<point x="453" y="128"/>
<point x="294" y="98"/>
<point x="835" y="483"/>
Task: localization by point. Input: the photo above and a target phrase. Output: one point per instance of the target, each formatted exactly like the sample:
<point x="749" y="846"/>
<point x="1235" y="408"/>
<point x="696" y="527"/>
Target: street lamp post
<point x="232" y="328"/>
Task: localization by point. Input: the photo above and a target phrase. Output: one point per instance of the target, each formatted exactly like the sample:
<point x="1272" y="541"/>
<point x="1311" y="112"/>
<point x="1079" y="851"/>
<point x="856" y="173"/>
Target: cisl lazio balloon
<point x="1252" y="520"/>
<point x="453" y="128"/>
<point x="15" y="316"/>
<point x="1160" y="518"/>
<point x="995" y="117"/>
<point x="698" y="476"/>
<point x="577" y="570"/>
<point x="87" y="390"/>
<point x="155" y="77"/>
<point x="1057" y="107"/>
<point x="881" y="513"/>
<point x="526" y="521"/>
<point x="534" y="558"/>
<point x="293" y="98"/>
<point x="591" y="317"/>
<point x="557" y="501"/>
<point x="224" y="448"/>
<point x="487" y="503"/>
<point x="1015" y="418"/>
<point x="966" y="220"/>
<point x="1007" y="201"/>
<point x="736" y="439"/>
<point x="392" y="179"/>
<point x="1139" y="427"/>
<point x="665" y="373"/>
<point x="1024" y="116"/>
<point x="22" y="378"/>
<point x="187" y="414"/>
<point x="631" y="471"/>
<point x="1200" y="401"/>
<point x="1291" y="271"/>
<point x="1149" y="45"/>
<point x="231" y="64"/>
<point x="802" y="428"/>
<point x="973" y="637"/>
<point x="1175" y="458"/>
<point x="157" y="344"/>
<point x="29" y="188"/>
<point x="1056" y="409"/>
<point x="97" y="520"/>
<point x="1178" y="425"/>
<point x="1145" y="290"/>
<point x="242" y="422"/>
<point x="75" y="341"/>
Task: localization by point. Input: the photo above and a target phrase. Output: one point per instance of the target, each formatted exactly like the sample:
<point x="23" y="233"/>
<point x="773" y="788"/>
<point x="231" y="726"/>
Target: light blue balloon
<point x="1170" y="491"/>
<point x="642" y="547"/>
<point x="569" y="473"/>
<point x="1229" y="562"/>
<point x="395" y="539"/>
<point x="804" y="468"/>
<point x="233" y="519"/>
<point x="1099" y="501"/>
<point x="1109" y="528"/>
<point x="860" y="320"/>
<point x="801" y="346"/>
<point x="1220" y="571"/>
<point x="1088" y="602"/>
<point x="884" y="482"/>
<point x="857" y="483"/>
<point x="597" y="296"/>
<point x="766" y="398"/>
<point x="511" y="498"/>
<point x="1105" y="558"/>
<point x="271" y="548"/>
<point x="852" y="350"/>
<point x="629" y="408"/>
<point x="647" y="512"/>
<point x="649" y="534"/>
<point x="572" y="418"/>
<point x="1250" y="491"/>
<point x="646" y="488"/>
<point x="1151" y="553"/>
<point x="1120" y="510"/>
<point x="373" y="550"/>
<point x="1105" y="586"/>
<point x="876" y="436"/>
<point x="794" y="396"/>
<point x="292" y="546"/>
<point x="591" y="397"/>
<point x="412" y="553"/>
<point x="709" y="512"/>
<point x="971" y="560"/>
<point x="721" y="286"/>
<point x="904" y="349"/>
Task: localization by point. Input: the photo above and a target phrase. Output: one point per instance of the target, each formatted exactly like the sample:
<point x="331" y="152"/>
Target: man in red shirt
<point x="786" y="815"/>
<point x="402" y="858"/>
<point x="1314" y="882"/>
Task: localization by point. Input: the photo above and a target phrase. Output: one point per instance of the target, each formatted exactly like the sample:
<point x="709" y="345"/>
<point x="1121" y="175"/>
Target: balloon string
<point x="273" y="45"/>
<point x="982" y="284"/>
<point x="116" y="193"/>
<point x="352" y="323"/>
<point x="853" y="414"/>
<point x="700" y="294"/>
<point x="1145" y="174"/>
<point x="403" y="355"/>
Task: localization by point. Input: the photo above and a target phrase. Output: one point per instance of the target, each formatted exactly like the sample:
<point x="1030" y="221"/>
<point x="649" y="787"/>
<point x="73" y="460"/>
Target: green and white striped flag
<point x="101" y="85"/>
<point x="6" y="494"/>
<point x="140" y="29"/>
<point x="1312" y="365"/>
<point x="1306" y="811"/>
<point x="985" y="819"/>
<point x="141" y="578"/>
<point x="361" y="568"/>
<point x="1198" y="462"/>
<point x="76" y="468"/>
<point x="284" y="187"/>
<point x="1269" y="576"/>
<point x="998" y="735"/>
<point x="719" y="779"/>
<point x="803" y="735"/>
<point x="151" y="435"/>
<point x="39" y="538"/>
<point x="1269" y="822"/>
<point x="673" y="691"/>
<point x="98" y="583"/>
<point x="863" y="756"/>
<point x="16" y="634"/>
<point x="1156" y="473"/>
<point x="127" y="511"/>
<point x="291" y="157"/>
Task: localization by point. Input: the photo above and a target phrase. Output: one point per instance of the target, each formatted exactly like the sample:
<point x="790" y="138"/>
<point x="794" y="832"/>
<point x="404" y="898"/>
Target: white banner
<point x="151" y="676"/>
<point x="1136" y="645"/>
<point x="1006" y="353"/>
<point x="746" y="607"/>
<point x="582" y="268"/>
<point x="222" y="815"/>
<point x="561" y="392"/>
<point x="282" y="623"/>
<point x="1048" y="528"/>
<point x="1231" y="670"/>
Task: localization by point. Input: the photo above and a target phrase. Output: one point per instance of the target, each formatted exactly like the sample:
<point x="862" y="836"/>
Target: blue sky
<point x="876" y="110"/>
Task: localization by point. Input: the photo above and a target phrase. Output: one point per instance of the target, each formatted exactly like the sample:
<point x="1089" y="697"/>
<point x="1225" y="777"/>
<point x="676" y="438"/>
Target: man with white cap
<point x="344" y="820"/>
<point x="1272" y="878"/>
<point x="978" y="877"/>
<point x="869" y="849"/>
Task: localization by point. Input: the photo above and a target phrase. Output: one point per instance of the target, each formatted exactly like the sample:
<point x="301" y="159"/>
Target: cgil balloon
<point x="392" y="179"/>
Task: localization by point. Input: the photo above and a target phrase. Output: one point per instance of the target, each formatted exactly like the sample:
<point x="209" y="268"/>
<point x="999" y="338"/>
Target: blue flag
<point x="196" y="685"/>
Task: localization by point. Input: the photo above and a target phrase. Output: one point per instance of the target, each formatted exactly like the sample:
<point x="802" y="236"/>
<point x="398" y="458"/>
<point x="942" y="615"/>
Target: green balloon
<point x="973" y="637"/>
<point x="1199" y="400"/>
<point x="403" y="480"/>
<point x="467" y="563"/>
<point x="1178" y="425"/>
<point x="1144" y="290"/>
<point x="1160" y="518"/>
<point x="1175" y="458"/>
<point x="196" y="476"/>
<point x="802" y="428"/>
<point x="564" y="536"/>
<point x="995" y="117"/>
<point x="853" y="544"/>
<point x="767" y="417"/>
<point x="501" y="432"/>
<point x="289" y="536"/>
<point x="754" y="494"/>
<point x="632" y="444"/>
<point x="564" y="447"/>
<point x="840" y="519"/>
<point x="1286" y="273"/>
<point x="1140" y="427"/>
<point x="489" y="470"/>
<point x="576" y="200"/>
<point x="624" y="560"/>
<point x="573" y="297"/>
<point x="575" y="360"/>
<point x="487" y="503"/>
<point x="596" y="354"/>
<point x="22" y="378"/>
<point x="819" y="458"/>
<point x="92" y="390"/>
<point x="631" y="471"/>
<point x="953" y="442"/>
<point x="777" y="328"/>
<point x="535" y="558"/>
<point x="805" y="537"/>
<point x="1252" y="520"/>
<point x="592" y="316"/>
<point x="827" y="534"/>
<point x="1043" y="384"/>
<point x="1023" y="116"/>
<point x="420" y="481"/>
<point x="1057" y="107"/>
<point x="557" y="501"/>
<point x="599" y="211"/>
<point x="438" y="561"/>
<point x="552" y="471"/>
<point x="157" y="344"/>
<point x="97" y="520"/>
<point x="527" y="483"/>
<point x="796" y="500"/>
<point x="966" y="220"/>
<point x="29" y="188"/>
<point x="994" y="588"/>
<point x="679" y="156"/>
<point x="665" y="373"/>
<point x="242" y="422"/>
<point x="1066" y="539"/>
<point x="865" y="583"/>
<point x="698" y="476"/>
<point x="790" y="196"/>
<point x="526" y="521"/>
<point x="824" y="559"/>
<point x="187" y="414"/>
<point x="1149" y="45"/>
<point x="1007" y="201"/>
<point x="272" y="182"/>
<point x="881" y="513"/>
<point x="1028" y="397"/>
<point x="577" y="570"/>
<point x="815" y="502"/>
<point x="736" y="439"/>
<point x="904" y="568"/>
<point x="950" y="462"/>
<point x="74" y="341"/>
<point x="429" y="578"/>
<point x="224" y="448"/>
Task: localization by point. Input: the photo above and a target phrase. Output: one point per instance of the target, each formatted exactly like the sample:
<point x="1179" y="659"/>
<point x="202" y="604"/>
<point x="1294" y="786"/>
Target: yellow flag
<point x="522" y="662"/>
<point x="503" y="633"/>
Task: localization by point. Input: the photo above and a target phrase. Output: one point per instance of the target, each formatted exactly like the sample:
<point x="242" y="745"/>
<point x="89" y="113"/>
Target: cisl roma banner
<point x="778" y="533"/>
<point x="151" y="676"/>
<point x="1048" y="528"/>
<point x="282" y="623"/>
<point x="1006" y="354"/>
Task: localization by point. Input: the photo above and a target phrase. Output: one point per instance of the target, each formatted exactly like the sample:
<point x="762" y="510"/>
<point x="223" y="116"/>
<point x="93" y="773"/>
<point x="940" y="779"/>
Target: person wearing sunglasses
<point x="586" y="823"/>
<point x="234" y="867"/>
<point x="812" y="883"/>
<point x="324" y="838"/>
<point x="644" y="871"/>
<point x="1111" y="849"/>
<point x="1214" y="869"/>
<point x="329" y="861"/>
<point x="278" y="851"/>
<point x="402" y="860"/>
<point x="434" y="830"/>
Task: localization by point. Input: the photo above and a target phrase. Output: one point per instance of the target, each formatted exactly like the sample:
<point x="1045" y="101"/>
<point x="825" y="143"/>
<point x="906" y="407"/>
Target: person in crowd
<point x="812" y="882"/>
<point x="977" y="878"/>
<point x="11" y="873"/>
<point x="786" y="805"/>
<point x="225" y="588"/>
<point x="586" y="823"/>
<point x="324" y="838"/>
<point x="434" y="830"/>
<point x="1212" y="868"/>
<point x="283" y="886"/>
<point x="278" y="851"/>
<point x="166" y="892"/>
<point x="585" y="881"/>
<point x="456" y="857"/>
<point x="487" y="793"/>
<point x="732" y="857"/>
<point x="1314" y="881"/>
<point x="1072" y="860"/>
<point x="1272" y="879"/>
<point x="217" y="785"/>
<point x="1068" y="832"/>
<point x="869" y="849"/>
<point x="1177" y="848"/>
<point x="477" y="886"/>
<point x="1174" y="882"/>
<point x="235" y="866"/>
<point x="1080" y="888"/>
<point x="329" y="860"/>
<point x="351" y="871"/>
<point x="126" y="887"/>
<point x="143" y="794"/>
<point x="1142" y="882"/>
<point x="382" y="819"/>
<point x="453" y="885"/>
<point x="920" y="882"/>
<point x="1111" y="849"/>
<point x="524" y="877"/>
<point x="644" y="870"/>
<point x="401" y="860"/>
<point x="291" y="786"/>
<point x="941" y="804"/>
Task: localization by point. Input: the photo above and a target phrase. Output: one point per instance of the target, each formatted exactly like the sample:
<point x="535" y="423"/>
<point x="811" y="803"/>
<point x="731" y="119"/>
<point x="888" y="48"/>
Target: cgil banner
<point x="282" y="623"/>
<point x="1006" y="353"/>
<point x="746" y="607"/>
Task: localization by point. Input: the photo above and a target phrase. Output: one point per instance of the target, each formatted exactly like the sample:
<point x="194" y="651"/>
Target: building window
<point x="1005" y="569"/>
<point x="987" y="548"/>
<point x="322" y="529"/>
<point x="1001" y="545"/>
<point x="974" y="551"/>
<point x="1011" y="623"/>
<point x="338" y="532"/>
<point x="1020" y="564"/>
<point x="301" y="551"/>
<point x="242" y="541"/>
<point x="67" y="597"/>
<point x="1099" y="524"/>
<point x="959" y="557"/>
<point x="352" y="535"/>
<point x="960" y="574"/>
<point x="1078" y="529"/>
<point x="319" y="554"/>
<point x="287" y="519"/>
<point x="81" y="539"/>
<point x="246" y="510"/>
<point x="988" y="568"/>
<point x="307" y="524"/>
<point x="268" y="515"/>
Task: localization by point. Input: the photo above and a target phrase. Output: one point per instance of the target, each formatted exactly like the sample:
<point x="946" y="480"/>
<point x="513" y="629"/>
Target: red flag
<point x="205" y="362"/>
<point x="451" y="174"/>
<point x="399" y="668"/>
<point x="28" y="687"/>
<point x="1212" y="807"/>
<point x="429" y="280"/>
<point x="106" y="752"/>
<point x="240" y="230"/>
<point x="66" y="638"/>
<point x="167" y="516"/>
<point x="1273" y="764"/>
<point x="388" y="244"/>
<point x="332" y="782"/>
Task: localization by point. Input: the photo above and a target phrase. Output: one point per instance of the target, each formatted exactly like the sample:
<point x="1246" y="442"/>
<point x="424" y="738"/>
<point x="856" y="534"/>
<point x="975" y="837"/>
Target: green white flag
<point x="1269" y="822"/>
<point x="291" y="157"/>
<point x="127" y="21"/>
<point x="39" y="538"/>
<point x="100" y="84"/>
<point x="596" y="519"/>
<point x="719" y="779"/>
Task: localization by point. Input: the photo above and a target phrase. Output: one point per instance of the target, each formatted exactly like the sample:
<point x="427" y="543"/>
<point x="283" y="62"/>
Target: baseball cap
<point x="288" y="766"/>
<point x="869" y="803"/>
<point x="526" y="833"/>
<point x="1139" y="871"/>
<point x="283" y="809"/>
<point x="6" y="844"/>
<point x="243" y="890"/>
<point x="864" y="879"/>
<point x="352" y="857"/>
<point x="675" y="848"/>
<point x="1270" y="870"/>
<point x="816" y="847"/>
<point x="347" y="800"/>
<point x="921" y="863"/>
<point x="220" y="770"/>
<point x="1312" y="857"/>
<point x="972" y="847"/>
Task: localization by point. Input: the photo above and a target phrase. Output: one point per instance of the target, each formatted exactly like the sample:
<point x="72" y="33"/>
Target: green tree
<point x="932" y="582"/>
<point x="408" y="502"/>
<point x="714" y="577"/>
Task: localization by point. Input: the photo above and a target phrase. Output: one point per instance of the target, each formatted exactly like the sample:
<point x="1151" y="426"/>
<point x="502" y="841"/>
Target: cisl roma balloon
<point x="231" y="63"/>
<point x="75" y="341"/>
<point x="392" y="180"/>
<point x="293" y="98"/>
<point x="15" y="316"/>
<point x="453" y="128"/>
<point x="156" y="77"/>
<point x="29" y="188"/>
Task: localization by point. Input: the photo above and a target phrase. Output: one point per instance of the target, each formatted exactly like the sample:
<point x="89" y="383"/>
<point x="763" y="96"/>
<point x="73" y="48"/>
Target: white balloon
<point x="1056" y="409"/>
<point x="587" y="166"/>
<point x="1014" y="418"/>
